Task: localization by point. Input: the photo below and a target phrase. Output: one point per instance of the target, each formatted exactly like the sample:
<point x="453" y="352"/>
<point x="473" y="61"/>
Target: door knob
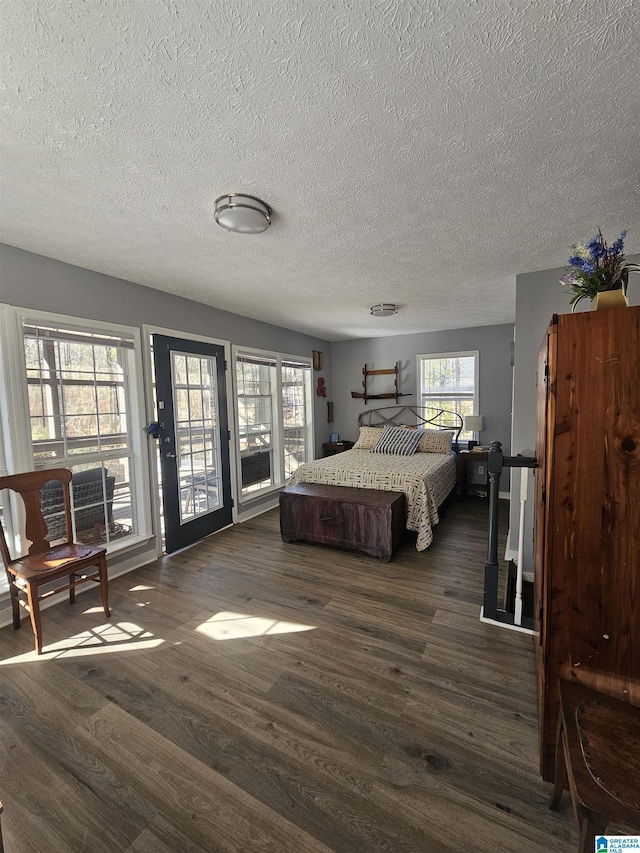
<point x="169" y="455"/>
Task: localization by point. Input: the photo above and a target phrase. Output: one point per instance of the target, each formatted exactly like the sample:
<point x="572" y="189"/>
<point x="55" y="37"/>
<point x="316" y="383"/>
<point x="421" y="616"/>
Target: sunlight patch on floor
<point x="227" y="625"/>
<point x="101" y="639"/>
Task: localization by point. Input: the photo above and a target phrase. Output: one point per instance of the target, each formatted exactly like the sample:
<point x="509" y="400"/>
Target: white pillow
<point x="367" y="438"/>
<point x="435" y="441"/>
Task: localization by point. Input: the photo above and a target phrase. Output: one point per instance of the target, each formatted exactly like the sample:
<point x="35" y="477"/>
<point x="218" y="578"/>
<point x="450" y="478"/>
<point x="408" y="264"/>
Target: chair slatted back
<point x="28" y="486"/>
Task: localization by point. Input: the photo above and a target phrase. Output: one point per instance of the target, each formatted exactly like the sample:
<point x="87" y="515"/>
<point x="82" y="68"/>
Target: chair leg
<point x="34" y="612"/>
<point x="72" y="588"/>
<point x="104" y="585"/>
<point x="591" y="826"/>
<point x="560" y="773"/>
<point x="15" y="603"/>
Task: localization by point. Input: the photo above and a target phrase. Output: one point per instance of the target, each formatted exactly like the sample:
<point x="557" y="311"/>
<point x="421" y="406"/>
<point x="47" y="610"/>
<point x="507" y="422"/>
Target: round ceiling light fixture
<point x="384" y="309"/>
<point x="244" y="214"/>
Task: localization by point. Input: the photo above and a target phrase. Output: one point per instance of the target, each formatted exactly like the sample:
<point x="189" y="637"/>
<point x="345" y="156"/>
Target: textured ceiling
<point x="421" y="152"/>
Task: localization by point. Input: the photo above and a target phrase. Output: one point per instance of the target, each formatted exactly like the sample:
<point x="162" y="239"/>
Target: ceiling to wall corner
<point x="416" y="153"/>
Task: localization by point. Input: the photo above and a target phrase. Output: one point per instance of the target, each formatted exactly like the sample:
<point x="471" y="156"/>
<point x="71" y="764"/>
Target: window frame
<point x="423" y="398"/>
<point x="16" y="424"/>
<point x="307" y="426"/>
<point x="277" y="418"/>
<point x="8" y="520"/>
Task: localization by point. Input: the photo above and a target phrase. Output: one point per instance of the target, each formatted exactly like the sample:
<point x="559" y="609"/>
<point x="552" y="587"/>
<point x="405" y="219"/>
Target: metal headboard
<point x="414" y="416"/>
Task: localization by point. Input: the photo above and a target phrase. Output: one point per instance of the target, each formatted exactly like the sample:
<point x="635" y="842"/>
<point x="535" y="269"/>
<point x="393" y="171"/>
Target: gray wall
<point x="492" y="342"/>
<point x="34" y="281"/>
<point x="539" y="295"/>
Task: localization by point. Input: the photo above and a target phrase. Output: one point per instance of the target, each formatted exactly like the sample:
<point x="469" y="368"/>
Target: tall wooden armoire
<point x="587" y="521"/>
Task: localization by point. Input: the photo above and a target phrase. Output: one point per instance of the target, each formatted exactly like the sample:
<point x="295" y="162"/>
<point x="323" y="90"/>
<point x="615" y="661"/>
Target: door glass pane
<point x="195" y="395"/>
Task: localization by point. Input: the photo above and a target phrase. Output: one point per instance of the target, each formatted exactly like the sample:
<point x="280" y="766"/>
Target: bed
<point x="426" y="476"/>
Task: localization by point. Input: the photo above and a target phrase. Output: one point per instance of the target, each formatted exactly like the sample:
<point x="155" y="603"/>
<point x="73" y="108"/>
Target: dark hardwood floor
<point x="251" y="695"/>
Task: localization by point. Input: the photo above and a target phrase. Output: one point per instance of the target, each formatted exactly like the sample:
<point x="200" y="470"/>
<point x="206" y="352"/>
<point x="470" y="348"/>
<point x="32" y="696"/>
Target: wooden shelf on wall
<point x="361" y="396"/>
<point x="391" y="395"/>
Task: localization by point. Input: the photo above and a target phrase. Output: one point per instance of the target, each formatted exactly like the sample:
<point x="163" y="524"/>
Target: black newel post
<point x="491" y="564"/>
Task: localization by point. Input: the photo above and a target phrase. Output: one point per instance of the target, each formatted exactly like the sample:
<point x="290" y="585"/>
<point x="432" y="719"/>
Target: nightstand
<point x="465" y="458"/>
<point x="330" y="448"/>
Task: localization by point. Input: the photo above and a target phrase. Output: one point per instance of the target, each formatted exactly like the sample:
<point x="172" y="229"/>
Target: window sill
<point x="269" y="490"/>
<point x="128" y="544"/>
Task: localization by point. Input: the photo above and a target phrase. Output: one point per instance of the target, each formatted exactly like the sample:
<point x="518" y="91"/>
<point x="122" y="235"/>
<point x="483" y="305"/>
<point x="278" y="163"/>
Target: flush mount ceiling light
<point x="243" y="214"/>
<point x="385" y="309"/>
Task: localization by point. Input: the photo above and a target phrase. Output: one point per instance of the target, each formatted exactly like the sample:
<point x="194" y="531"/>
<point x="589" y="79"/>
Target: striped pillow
<point x="435" y="441"/>
<point x="400" y="441"/>
<point x="367" y="438"/>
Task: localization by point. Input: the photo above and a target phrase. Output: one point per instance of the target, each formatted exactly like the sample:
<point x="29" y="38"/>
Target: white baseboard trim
<point x="518" y="628"/>
<point x="246" y="515"/>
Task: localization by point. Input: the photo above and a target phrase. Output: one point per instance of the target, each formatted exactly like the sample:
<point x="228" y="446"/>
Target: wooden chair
<point x="45" y="563"/>
<point x="598" y="755"/>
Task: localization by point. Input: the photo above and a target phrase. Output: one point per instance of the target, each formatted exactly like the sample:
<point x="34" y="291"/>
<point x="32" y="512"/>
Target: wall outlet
<point x="481" y="470"/>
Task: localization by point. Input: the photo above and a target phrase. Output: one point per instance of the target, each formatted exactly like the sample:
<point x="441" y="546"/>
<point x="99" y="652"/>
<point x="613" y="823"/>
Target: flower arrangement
<point x="595" y="267"/>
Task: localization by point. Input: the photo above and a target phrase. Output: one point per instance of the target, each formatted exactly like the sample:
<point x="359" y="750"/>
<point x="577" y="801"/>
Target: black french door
<point x="194" y="444"/>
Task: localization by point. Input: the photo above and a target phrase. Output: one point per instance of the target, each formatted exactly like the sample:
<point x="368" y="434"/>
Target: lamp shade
<point x="474" y="423"/>
<point x="244" y="214"/>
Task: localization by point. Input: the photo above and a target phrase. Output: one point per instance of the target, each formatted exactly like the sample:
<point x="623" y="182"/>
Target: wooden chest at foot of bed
<point x="356" y="519"/>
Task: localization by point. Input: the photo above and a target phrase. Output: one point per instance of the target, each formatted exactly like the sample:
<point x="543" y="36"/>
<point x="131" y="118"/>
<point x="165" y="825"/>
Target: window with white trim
<point x="78" y="398"/>
<point x="274" y="416"/>
<point x="5" y="518"/>
<point x="296" y="414"/>
<point x="449" y="381"/>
